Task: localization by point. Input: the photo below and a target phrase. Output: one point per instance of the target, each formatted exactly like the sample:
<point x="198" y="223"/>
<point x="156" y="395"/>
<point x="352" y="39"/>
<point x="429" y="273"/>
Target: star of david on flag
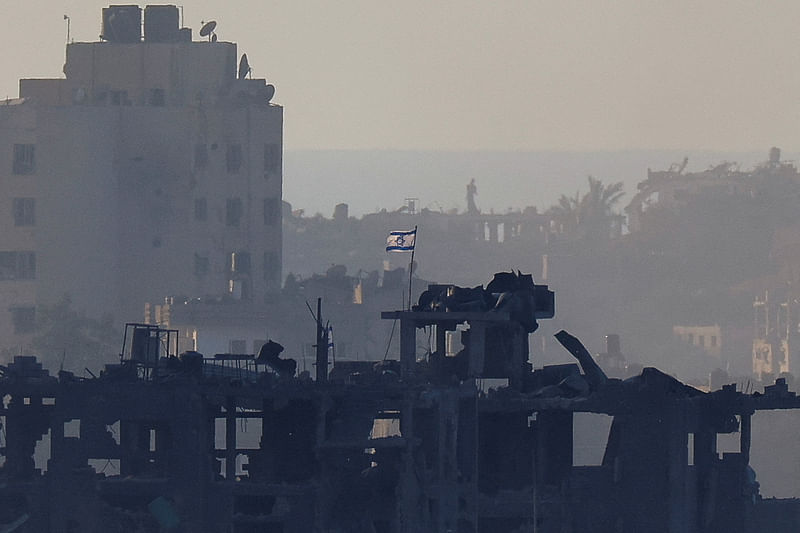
<point x="401" y="241"/>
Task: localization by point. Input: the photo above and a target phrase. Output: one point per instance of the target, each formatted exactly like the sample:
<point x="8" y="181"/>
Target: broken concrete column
<point x="594" y="374"/>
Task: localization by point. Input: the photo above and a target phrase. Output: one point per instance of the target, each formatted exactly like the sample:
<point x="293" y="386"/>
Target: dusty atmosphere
<point x="354" y="267"/>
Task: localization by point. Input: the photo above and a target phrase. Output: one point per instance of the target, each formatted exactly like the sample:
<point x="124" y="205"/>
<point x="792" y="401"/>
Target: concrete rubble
<point x="237" y="442"/>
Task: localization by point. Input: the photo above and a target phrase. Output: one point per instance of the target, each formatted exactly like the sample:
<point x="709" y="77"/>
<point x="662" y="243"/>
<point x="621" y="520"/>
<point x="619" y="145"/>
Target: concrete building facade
<point x="706" y="338"/>
<point x="154" y="167"/>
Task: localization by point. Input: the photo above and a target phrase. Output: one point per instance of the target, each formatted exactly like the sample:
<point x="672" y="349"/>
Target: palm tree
<point x="597" y="205"/>
<point x="567" y="211"/>
<point x="593" y="213"/>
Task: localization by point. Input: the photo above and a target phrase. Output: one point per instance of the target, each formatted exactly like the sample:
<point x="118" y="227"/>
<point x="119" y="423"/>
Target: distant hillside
<point x="316" y="180"/>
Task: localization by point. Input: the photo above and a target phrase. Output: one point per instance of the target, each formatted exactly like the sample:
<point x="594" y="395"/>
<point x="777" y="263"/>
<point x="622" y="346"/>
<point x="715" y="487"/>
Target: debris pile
<point x="237" y="442"/>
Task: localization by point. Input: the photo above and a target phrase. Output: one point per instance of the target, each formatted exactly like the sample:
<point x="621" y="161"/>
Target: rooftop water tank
<point x="122" y="24"/>
<point x="161" y="24"/>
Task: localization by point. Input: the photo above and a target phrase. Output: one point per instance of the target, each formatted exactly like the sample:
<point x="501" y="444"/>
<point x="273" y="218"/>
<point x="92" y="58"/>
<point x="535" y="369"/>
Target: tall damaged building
<point x="153" y="167"/>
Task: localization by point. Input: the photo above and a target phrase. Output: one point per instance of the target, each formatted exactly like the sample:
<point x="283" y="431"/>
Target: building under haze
<point x="153" y="167"/>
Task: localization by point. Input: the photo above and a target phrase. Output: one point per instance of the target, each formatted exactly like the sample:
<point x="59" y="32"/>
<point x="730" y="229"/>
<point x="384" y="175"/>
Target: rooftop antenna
<point x="244" y="67"/>
<point x="208" y="30"/>
<point x="66" y="17"/>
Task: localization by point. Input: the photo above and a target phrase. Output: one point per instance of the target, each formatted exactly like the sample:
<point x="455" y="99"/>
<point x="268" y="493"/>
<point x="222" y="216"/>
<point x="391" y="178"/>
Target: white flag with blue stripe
<point x="401" y="241"/>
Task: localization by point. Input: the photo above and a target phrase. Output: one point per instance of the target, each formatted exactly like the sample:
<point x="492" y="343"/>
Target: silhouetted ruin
<point x="466" y="439"/>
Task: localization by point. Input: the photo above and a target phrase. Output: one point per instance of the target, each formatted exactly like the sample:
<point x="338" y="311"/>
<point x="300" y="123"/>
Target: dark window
<point x="272" y="157"/>
<point x="200" y="209"/>
<point x="100" y="95"/>
<point x="26" y="265"/>
<point x="24" y="211"/>
<point x="201" y="266"/>
<point x="233" y="212"/>
<point x="8" y="265"/>
<point x="24" y="162"/>
<point x="271" y="266"/>
<point x="200" y="156"/>
<point x="120" y="98"/>
<point x="157" y="97"/>
<point x="713" y="341"/>
<point x="23" y="318"/>
<point x="271" y="211"/>
<point x="239" y="263"/>
<point x="233" y="158"/>
<point x="17" y="265"/>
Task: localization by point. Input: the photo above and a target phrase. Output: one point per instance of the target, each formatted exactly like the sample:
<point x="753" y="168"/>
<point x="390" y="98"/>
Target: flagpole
<point x="411" y="267"/>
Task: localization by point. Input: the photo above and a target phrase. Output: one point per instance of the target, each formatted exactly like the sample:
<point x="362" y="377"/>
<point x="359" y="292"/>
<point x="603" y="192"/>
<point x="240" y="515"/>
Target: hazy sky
<point x="478" y="75"/>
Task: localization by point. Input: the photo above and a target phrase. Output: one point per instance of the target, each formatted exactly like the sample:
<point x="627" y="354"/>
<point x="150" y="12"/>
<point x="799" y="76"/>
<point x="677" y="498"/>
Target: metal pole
<point x="322" y="347"/>
<point x="411" y="267"/>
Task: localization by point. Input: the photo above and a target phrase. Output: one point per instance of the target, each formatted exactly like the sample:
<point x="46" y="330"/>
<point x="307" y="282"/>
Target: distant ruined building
<point x="675" y="187"/>
<point x="776" y="337"/>
<point x="745" y="219"/>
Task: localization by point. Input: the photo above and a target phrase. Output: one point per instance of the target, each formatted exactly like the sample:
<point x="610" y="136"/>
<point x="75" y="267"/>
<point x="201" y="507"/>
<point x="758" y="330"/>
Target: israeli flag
<point x="401" y="241"/>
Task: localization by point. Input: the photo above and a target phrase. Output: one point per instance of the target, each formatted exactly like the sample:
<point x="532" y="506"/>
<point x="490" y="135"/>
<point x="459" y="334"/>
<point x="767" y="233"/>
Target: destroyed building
<point x="180" y="189"/>
<point x="775" y="342"/>
<point x="699" y="245"/>
<point x="234" y="442"/>
<point x="675" y="187"/>
<point x="481" y="243"/>
<point x="730" y="232"/>
<point x="353" y="303"/>
<point x="153" y="167"/>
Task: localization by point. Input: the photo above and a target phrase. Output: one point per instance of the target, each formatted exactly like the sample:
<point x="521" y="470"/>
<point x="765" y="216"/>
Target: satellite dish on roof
<point x="270" y="91"/>
<point x="208" y="28"/>
<point x="244" y="67"/>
